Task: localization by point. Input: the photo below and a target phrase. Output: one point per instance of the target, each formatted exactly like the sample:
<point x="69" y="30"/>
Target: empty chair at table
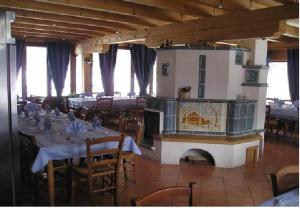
<point x="101" y="170"/>
<point x="285" y="179"/>
<point x="134" y="129"/>
<point x="167" y="194"/>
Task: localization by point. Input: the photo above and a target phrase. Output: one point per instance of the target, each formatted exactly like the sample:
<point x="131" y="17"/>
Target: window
<point x="278" y="86"/>
<point x="122" y="72"/>
<point x="96" y="75"/>
<point x="121" y="75"/>
<point x="36" y="71"/>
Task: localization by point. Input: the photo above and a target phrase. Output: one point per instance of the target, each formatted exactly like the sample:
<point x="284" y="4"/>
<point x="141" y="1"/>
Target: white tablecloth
<point x="92" y="102"/>
<point x="60" y="145"/>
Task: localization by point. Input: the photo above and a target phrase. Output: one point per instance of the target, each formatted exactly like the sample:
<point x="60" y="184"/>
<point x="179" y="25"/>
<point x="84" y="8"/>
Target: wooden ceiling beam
<point x="119" y="7"/>
<point x="254" y="30"/>
<point x="74" y="20"/>
<point x="268" y="3"/>
<point x="40" y="40"/>
<point x="241" y="25"/>
<point x="287" y="30"/>
<point x="49" y="33"/>
<point x="30" y="5"/>
<point x="25" y="35"/>
<point x="50" y="23"/>
<point x="227" y="5"/>
<point x="182" y="6"/>
<point x="247" y="4"/>
<point x="283" y="45"/>
<point x="287" y="1"/>
<point x="56" y="29"/>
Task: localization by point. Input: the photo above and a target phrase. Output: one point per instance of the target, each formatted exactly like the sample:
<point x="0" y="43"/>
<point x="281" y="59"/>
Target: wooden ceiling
<point x="94" y="23"/>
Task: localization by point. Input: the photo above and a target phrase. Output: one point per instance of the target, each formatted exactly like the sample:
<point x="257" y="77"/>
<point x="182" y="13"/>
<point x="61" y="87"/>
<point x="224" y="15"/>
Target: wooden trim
<point x="208" y="139"/>
<point x="87" y="71"/>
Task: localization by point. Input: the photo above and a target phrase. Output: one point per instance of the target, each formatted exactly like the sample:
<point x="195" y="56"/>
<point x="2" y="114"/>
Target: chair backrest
<point x="113" y="152"/>
<point x="140" y="101"/>
<point x="133" y="128"/>
<point x="104" y="102"/>
<point x="279" y="183"/>
<point x="162" y="194"/>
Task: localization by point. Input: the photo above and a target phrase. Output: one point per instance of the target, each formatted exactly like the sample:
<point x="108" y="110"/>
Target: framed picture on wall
<point x="165" y="69"/>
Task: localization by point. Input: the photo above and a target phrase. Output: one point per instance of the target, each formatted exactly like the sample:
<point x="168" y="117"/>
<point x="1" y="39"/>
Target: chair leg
<point x="115" y="197"/>
<point x="36" y="188"/>
<point x="73" y="189"/>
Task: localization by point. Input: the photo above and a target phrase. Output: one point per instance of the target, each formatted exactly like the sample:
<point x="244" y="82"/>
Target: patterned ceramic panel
<point x="198" y="116"/>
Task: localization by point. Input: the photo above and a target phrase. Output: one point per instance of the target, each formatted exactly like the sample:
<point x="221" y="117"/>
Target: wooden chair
<point x="136" y="130"/>
<point x="155" y="197"/>
<point x="104" y="102"/>
<point x="285" y="179"/>
<point x="86" y="113"/>
<point x="270" y="123"/>
<point x="28" y="152"/>
<point x="99" y="175"/>
<point x="138" y="111"/>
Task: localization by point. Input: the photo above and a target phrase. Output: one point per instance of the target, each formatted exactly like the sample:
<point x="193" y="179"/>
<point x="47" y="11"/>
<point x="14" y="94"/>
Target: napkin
<point x="96" y="123"/>
<point x="76" y="128"/>
<point x="71" y="116"/>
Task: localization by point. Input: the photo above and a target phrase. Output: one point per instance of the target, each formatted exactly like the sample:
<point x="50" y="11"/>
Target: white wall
<point x="166" y="84"/>
<point x="217" y="74"/>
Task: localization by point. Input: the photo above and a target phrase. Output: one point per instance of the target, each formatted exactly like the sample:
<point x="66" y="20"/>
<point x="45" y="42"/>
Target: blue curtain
<point x="293" y="73"/>
<point x="142" y="59"/>
<point x="107" y="68"/>
<point x="58" y="55"/>
<point x="20" y="45"/>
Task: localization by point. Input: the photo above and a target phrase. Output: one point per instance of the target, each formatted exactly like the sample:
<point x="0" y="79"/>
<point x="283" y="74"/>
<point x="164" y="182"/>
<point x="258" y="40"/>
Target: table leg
<point x="51" y="182"/>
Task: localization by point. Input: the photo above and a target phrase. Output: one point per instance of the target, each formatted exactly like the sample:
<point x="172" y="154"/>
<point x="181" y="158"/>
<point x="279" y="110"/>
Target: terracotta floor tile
<point x="213" y="200"/>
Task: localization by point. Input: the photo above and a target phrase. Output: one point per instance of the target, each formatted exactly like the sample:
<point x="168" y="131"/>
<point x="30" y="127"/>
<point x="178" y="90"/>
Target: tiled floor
<point x="248" y="185"/>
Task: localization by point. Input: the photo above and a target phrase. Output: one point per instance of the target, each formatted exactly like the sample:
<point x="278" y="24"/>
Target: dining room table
<point x="91" y="102"/>
<point x="60" y="144"/>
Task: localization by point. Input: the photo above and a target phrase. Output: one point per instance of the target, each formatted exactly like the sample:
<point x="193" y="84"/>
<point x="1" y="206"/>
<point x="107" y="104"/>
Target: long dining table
<point x="60" y="145"/>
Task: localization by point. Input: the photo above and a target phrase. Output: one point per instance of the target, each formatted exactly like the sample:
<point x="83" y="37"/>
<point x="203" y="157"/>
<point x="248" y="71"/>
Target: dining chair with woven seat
<point x="28" y="152"/>
<point x="136" y="130"/>
<point x="99" y="175"/>
<point x="285" y="179"/>
<point x="161" y="195"/>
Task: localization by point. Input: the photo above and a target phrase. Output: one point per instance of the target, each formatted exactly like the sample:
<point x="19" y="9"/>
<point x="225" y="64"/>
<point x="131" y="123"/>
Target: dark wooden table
<point x="288" y="199"/>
